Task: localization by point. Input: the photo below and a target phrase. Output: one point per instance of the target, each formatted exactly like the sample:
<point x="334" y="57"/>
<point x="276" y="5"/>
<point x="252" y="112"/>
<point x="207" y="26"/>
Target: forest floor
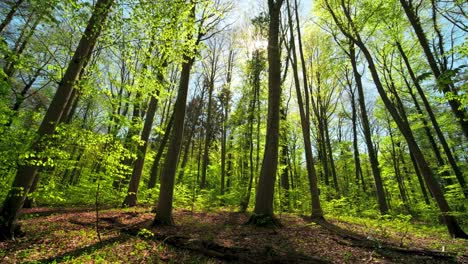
<point x="126" y="236"/>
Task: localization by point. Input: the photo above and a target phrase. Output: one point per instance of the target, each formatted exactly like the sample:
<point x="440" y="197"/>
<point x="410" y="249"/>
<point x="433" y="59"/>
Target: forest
<point x="222" y="131"/>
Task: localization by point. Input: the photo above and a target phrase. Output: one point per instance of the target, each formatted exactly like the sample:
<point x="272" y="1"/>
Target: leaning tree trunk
<point x="435" y="124"/>
<point x="166" y="193"/>
<point x="9" y="16"/>
<point x="131" y="198"/>
<point x="443" y="80"/>
<point x="374" y="162"/>
<point x="436" y="190"/>
<point x="159" y="153"/>
<point x="26" y="173"/>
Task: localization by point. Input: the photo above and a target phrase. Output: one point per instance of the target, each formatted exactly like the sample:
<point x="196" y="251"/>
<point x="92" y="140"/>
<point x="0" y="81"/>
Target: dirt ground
<point x="126" y="236"/>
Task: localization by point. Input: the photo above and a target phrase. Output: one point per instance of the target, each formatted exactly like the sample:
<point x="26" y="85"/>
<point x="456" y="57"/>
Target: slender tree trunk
<point x="208" y="133"/>
<point x="305" y="125"/>
<point x="256" y="86"/>
<point x="131" y="198"/>
<point x="435" y="124"/>
<point x="159" y="153"/>
<point x="223" y="147"/>
<point x="226" y="97"/>
<point x="185" y="159"/>
<point x="396" y="167"/>
<point x="164" y="207"/>
<point x="9" y="16"/>
<point x="20" y="46"/>
<point x="284" y="182"/>
<point x="374" y="162"/>
<point x="229" y="166"/>
<point x="420" y="179"/>
<point x="357" y="159"/>
<point x="443" y="81"/>
<point x="330" y="158"/>
<point x="26" y="173"/>
<point x="436" y="190"/>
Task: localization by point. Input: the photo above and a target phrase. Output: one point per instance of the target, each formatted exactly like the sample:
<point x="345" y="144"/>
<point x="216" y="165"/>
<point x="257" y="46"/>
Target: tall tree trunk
<point x="304" y="113"/>
<point x="284" y="160"/>
<point x="330" y="158"/>
<point x="374" y="162"/>
<point x="226" y="97"/>
<point x="396" y="167"/>
<point x="208" y="133"/>
<point x="223" y="147"/>
<point x="357" y="158"/>
<point x="185" y="158"/>
<point x="266" y="183"/>
<point x="420" y="179"/>
<point x="20" y="45"/>
<point x="26" y="173"/>
<point x="436" y="190"/>
<point x="166" y="193"/>
<point x="256" y="87"/>
<point x="427" y="131"/>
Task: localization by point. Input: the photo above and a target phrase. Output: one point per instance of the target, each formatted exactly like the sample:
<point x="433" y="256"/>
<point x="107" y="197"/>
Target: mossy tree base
<point x="262" y="220"/>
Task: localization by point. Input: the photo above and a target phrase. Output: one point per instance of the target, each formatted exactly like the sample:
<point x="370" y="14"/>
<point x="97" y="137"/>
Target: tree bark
<point x="317" y="212"/>
<point x="450" y="221"/>
<point x="266" y="183"/>
<point x="159" y="153"/>
<point x="208" y="133"/>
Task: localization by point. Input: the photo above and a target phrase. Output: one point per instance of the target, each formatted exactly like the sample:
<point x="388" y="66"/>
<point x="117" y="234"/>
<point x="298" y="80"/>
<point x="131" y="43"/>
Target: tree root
<point x="261" y="220"/>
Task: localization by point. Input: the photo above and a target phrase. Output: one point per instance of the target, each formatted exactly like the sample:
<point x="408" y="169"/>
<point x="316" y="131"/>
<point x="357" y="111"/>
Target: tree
<point x="304" y="112"/>
<point x="347" y="26"/>
<point x="204" y="29"/>
<point x="27" y="172"/>
<point x="441" y="73"/>
<point x="266" y="184"/>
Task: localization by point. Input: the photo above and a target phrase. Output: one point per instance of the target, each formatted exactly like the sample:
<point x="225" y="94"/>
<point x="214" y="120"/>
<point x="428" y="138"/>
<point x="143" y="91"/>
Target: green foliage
<point x="145" y="233"/>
